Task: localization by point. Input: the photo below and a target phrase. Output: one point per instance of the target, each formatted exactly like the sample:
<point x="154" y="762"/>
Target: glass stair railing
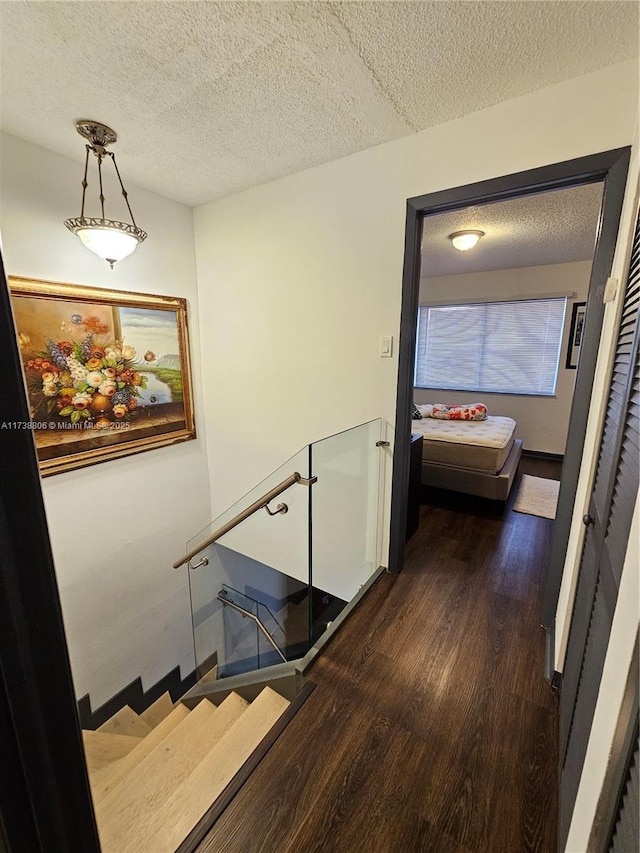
<point x="270" y="575"/>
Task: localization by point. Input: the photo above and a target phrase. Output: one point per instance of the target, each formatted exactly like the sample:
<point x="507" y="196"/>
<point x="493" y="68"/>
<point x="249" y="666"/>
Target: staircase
<point x="154" y="775"/>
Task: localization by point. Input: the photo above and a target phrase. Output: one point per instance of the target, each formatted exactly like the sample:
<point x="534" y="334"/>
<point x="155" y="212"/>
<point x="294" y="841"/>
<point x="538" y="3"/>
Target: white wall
<point x="542" y="421"/>
<point x="126" y="610"/>
<point x="299" y="277"/>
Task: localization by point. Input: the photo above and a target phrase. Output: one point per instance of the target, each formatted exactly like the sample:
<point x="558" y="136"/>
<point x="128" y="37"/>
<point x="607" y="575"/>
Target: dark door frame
<point x="45" y="804"/>
<point x="611" y="167"/>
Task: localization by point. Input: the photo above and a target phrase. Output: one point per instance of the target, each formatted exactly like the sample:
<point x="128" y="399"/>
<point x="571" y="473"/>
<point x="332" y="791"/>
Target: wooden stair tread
<point x="103" y="748"/>
<point x="105" y="779"/>
<point x="211" y="675"/>
<point x="133" y="806"/>
<point x="126" y="722"/>
<point x="163" y="830"/>
<point x="157" y="712"/>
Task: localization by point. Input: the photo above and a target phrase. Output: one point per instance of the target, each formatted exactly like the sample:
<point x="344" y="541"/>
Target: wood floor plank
<point x="431" y="728"/>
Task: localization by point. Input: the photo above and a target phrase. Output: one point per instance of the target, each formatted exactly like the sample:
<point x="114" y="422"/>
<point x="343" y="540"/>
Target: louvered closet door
<point x="608" y="525"/>
<point x="624" y="838"/>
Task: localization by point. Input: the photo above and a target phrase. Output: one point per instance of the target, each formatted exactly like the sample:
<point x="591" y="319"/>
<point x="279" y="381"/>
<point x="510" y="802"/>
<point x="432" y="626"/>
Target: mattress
<point x="477" y="445"/>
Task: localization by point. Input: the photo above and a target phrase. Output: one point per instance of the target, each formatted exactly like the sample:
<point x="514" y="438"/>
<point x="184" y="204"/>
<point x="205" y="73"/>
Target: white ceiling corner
<point x="210" y="98"/>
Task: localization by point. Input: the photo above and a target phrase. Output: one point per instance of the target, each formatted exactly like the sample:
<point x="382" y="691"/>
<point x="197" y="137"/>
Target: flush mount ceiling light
<point x="110" y="240"/>
<point x="464" y="240"/>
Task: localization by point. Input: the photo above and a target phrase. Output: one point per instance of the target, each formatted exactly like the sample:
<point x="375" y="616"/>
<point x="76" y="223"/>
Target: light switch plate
<point x="386" y="346"/>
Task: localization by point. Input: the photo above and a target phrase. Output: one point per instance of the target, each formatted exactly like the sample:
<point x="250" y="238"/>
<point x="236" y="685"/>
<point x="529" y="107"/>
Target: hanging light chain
<point x="85" y="183"/>
<point x="124" y="192"/>
<point x="101" y="196"/>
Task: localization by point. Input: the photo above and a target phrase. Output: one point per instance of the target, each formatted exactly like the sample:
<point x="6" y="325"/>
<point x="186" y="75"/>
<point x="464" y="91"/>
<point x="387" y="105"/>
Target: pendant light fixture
<point x="109" y="239"/>
<point x="465" y="240"/>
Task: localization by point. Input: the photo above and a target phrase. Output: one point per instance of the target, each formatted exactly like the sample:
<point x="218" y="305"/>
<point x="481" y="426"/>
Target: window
<point x="502" y="347"/>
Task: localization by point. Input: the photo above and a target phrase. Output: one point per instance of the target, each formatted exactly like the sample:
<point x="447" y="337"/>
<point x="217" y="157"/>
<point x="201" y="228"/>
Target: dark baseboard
<point x="541" y="454"/>
<point x="134" y="696"/>
<point x="203" y="826"/>
<point x="206" y="666"/>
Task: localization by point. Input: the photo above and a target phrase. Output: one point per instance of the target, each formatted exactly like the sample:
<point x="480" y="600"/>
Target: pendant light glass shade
<point x="109" y="239"/>
<point x="112" y="241"/>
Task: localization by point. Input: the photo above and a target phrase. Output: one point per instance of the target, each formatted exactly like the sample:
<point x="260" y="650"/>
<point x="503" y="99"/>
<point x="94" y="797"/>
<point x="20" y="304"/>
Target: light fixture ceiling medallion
<point x="109" y="239"/>
<point x="465" y="240"/>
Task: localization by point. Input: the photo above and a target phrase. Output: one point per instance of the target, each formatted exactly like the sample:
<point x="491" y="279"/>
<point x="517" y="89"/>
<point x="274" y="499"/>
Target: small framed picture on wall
<point x="575" y="334"/>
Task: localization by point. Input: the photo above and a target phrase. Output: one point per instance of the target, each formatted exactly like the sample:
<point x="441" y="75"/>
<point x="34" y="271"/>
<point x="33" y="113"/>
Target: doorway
<point x="610" y="168"/>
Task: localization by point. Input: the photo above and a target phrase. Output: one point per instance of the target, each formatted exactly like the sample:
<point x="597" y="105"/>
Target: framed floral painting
<point x="107" y="372"/>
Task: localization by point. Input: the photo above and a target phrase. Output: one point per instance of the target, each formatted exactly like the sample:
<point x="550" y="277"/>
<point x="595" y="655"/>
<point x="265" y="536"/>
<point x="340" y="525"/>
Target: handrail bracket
<point x="307" y="481"/>
<point x="280" y="508"/>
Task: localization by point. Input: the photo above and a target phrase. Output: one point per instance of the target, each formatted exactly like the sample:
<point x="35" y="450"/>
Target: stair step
<point x="186" y="803"/>
<point x="212" y="675"/>
<point x="105" y="780"/>
<point x="157" y="712"/>
<point x="102" y="748"/>
<point x="126" y="722"/>
<point x="133" y="807"/>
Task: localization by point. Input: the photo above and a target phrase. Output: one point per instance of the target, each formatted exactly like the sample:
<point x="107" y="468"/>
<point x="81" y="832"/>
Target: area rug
<point x="537" y="496"/>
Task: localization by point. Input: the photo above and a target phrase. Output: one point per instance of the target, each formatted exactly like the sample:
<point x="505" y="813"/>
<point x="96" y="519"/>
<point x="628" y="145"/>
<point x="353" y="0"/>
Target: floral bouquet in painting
<point x="84" y="380"/>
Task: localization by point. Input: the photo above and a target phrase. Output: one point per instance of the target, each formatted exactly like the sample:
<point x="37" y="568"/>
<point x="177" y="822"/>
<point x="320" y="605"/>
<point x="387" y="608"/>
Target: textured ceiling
<point x="210" y="98"/>
<point x="548" y="228"/>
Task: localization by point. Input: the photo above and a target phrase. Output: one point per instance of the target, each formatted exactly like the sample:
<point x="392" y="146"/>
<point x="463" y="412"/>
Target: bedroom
<point x="498" y="324"/>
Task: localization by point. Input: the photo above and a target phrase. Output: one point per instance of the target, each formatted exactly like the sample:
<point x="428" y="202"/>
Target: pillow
<point x="416" y="414"/>
<point x="426" y="410"/>
<point x="461" y="412"/>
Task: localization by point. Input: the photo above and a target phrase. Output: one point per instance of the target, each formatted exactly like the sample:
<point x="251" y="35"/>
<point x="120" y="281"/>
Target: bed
<point x="475" y="457"/>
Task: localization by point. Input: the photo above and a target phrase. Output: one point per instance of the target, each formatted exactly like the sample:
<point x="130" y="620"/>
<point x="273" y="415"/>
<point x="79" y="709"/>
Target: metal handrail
<point x="242" y="516"/>
<point x="256" y="619"/>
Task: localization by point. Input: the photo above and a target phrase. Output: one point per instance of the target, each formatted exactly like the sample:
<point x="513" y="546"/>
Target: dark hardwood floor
<point x="431" y="728"/>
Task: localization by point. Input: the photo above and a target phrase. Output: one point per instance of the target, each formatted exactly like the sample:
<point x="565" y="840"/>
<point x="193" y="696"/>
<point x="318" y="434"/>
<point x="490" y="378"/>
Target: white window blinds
<point x="504" y="347"/>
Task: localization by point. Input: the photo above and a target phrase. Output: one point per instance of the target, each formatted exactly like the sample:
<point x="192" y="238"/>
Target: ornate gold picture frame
<point x="107" y="372"/>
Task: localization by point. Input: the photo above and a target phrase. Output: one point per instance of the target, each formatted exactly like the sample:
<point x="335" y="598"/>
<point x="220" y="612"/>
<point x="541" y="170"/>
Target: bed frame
<point x="496" y="487"/>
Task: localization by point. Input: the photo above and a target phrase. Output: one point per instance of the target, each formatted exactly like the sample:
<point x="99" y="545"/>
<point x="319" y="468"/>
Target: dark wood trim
<point x="201" y="670"/>
<point x="135" y="697"/>
<point x="406" y="358"/>
<point x="17" y="821"/>
<point x="38" y="700"/>
<point x="569" y="173"/>
<point x="542" y="454"/>
<point x="615" y="180"/>
<point x="608" y="166"/>
<point x="222" y="802"/>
